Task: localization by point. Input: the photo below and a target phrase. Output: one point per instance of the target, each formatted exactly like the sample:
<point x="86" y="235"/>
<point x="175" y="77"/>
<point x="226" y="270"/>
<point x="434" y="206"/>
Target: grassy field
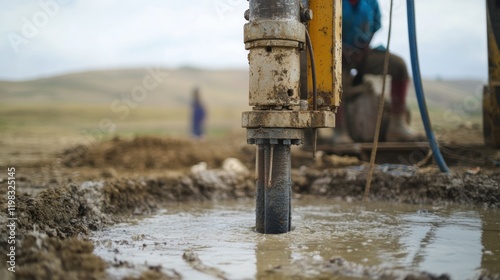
<point x="101" y="104"/>
<point x="450" y="104"/>
<point x="104" y="103"/>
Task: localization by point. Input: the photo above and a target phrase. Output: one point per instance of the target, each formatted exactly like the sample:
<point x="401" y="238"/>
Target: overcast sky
<point x="49" y="37"/>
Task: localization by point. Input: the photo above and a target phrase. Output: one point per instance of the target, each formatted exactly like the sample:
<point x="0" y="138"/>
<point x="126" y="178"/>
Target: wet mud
<point x="85" y="189"/>
<point x="378" y="240"/>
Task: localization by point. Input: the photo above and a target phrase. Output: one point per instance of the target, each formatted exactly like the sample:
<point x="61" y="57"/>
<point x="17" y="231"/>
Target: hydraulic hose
<point x="417" y="80"/>
<point x="315" y="90"/>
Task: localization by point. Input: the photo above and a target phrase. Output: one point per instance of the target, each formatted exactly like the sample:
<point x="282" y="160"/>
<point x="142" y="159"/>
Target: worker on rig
<point x="360" y="20"/>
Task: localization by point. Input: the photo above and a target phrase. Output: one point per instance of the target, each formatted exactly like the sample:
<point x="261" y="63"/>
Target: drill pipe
<point x="284" y="9"/>
<point x="274" y="187"/>
<point x="274" y="37"/>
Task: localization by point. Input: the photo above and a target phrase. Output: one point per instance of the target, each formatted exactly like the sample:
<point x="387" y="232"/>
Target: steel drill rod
<point x="273" y="189"/>
<point x="260" y="182"/>
<point x="284" y="9"/>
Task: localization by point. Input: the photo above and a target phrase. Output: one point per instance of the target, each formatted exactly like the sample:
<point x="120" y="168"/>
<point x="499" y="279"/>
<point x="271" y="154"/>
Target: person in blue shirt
<point x="361" y="19"/>
<point x="198" y="115"/>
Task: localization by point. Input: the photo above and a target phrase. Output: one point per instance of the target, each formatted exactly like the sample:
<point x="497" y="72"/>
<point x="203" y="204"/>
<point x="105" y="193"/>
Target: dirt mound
<point x="51" y="223"/>
<point x="418" y="187"/>
<point x="52" y="258"/>
<point x="48" y="229"/>
<point x="149" y="152"/>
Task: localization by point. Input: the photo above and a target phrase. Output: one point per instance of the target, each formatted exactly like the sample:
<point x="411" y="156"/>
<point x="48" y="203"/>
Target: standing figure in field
<point x="360" y="20"/>
<point x="198" y="115"/>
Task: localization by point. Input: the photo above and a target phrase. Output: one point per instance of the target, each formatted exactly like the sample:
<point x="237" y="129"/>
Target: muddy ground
<point x="67" y="195"/>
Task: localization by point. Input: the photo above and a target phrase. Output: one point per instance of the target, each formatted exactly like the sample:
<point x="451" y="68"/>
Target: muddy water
<point x="458" y="241"/>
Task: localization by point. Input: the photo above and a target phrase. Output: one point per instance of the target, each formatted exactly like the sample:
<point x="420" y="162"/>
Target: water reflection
<point x="491" y="240"/>
<point x="271" y="251"/>
<point x="444" y="242"/>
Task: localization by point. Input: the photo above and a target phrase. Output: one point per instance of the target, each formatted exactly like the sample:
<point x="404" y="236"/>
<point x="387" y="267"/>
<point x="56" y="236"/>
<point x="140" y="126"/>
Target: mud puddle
<point x="330" y="238"/>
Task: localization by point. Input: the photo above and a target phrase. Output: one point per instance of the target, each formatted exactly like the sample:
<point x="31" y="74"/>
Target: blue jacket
<point x="359" y="23"/>
<point x="197" y="119"/>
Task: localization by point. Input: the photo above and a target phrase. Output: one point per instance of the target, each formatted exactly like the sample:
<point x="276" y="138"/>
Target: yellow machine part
<point x="491" y="96"/>
<point x="325" y="30"/>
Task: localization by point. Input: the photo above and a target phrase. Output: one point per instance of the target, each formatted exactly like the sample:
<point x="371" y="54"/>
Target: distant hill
<point x="222" y="90"/>
<point x="219" y="88"/>
<point x="446" y="93"/>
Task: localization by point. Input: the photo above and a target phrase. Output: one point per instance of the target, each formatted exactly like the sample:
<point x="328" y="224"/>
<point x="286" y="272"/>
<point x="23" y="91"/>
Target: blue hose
<point x="417" y="80"/>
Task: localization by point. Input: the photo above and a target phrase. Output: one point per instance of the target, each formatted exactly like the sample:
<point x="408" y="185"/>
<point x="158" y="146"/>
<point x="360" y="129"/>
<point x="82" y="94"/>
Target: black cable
<point x="313" y="70"/>
<point x="315" y="90"/>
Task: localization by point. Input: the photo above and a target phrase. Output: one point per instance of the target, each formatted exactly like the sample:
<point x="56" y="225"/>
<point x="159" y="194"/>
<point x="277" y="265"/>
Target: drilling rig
<point x="289" y="92"/>
<point x="491" y="96"/>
